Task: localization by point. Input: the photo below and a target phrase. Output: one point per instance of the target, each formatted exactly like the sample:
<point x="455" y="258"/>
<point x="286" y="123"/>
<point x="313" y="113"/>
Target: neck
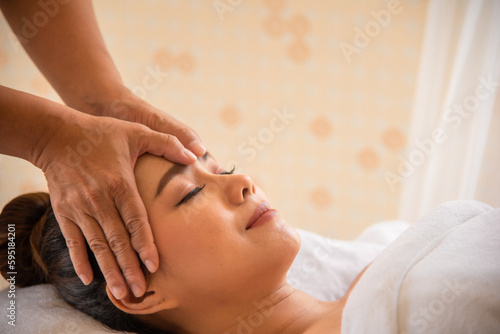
<point x="286" y="310"/>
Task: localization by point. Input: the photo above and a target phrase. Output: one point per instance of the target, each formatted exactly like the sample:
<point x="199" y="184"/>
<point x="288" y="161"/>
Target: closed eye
<point x="196" y="190"/>
<point x="228" y="172"/>
<point x="190" y="195"/>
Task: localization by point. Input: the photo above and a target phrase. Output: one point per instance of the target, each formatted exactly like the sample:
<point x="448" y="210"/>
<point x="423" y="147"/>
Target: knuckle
<point x="118" y="244"/>
<point x="170" y="140"/>
<point x="118" y="184"/>
<point x="92" y="195"/>
<point x="134" y="226"/>
<point x="88" y="201"/>
<point x="111" y="275"/>
<point x="154" y="119"/>
<point x="128" y="271"/>
<point x="63" y="204"/>
<point x="74" y="244"/>
<point x="144" y="249"/>
<point x="112" y="186"/>
<point x="59" y="204"/>
<point x="98" y="246"/>
<point x="183" y="131"/>
<point x="187" y="133"/>
<point x="94" y="201"/>
<point x="141" y="129"/>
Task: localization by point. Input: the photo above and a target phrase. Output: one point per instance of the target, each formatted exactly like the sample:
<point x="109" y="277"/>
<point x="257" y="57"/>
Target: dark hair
<point x="42" y="256"/>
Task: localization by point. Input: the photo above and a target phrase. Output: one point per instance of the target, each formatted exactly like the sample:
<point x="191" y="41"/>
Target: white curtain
<point x="453" y="149"/>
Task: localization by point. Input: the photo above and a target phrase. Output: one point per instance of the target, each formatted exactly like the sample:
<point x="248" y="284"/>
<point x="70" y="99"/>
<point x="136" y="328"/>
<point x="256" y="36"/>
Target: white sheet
<point x="325" y="268"/>
<point x="441" y="276"/>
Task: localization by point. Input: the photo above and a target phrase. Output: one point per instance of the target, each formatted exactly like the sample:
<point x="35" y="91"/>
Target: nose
<point x="238" y="188"/>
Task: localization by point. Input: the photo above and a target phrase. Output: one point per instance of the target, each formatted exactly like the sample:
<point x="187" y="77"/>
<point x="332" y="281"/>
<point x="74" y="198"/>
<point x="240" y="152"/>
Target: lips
<point x="261" y="209"/>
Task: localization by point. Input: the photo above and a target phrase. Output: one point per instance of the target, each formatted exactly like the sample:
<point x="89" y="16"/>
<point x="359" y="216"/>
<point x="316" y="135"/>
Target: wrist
<point x="56" y="135"/>
<point x="96" y="101"/>
<point x="117" y="102"/>
<point x="36" y="129"/>
<point x="124" y="105"/>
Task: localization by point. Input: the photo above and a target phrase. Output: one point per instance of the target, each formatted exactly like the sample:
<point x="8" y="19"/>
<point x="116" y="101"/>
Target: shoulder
<point x="437" y="277"/>
<point x="454" y="286"/>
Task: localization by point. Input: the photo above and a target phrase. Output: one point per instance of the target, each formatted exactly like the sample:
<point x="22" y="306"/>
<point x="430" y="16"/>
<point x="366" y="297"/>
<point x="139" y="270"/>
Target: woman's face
<point x="199" y="216"/>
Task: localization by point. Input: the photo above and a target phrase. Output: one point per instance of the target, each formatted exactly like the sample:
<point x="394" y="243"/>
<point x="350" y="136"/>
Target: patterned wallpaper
<point x="311" y="99"/>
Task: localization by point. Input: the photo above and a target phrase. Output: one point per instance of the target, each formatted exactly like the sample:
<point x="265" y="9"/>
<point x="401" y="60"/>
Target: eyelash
<point x="196" y="190"/>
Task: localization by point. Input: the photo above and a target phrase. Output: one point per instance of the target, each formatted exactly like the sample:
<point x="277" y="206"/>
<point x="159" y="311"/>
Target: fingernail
<point x="190" y="155"/>
<point x="136" y="290"/>
<point x="197" y="148"/>
<point x="150" y="265"/>
<point x="118" y="292"/>
<point x="85" y="279"/>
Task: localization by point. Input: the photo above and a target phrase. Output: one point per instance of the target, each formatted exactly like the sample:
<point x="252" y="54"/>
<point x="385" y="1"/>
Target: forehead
<point x="148" y="171"/>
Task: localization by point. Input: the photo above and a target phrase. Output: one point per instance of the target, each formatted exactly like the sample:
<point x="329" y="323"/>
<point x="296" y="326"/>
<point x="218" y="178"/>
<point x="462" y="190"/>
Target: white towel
<point x="325" y="268"/>
<point x="440" y="276"/>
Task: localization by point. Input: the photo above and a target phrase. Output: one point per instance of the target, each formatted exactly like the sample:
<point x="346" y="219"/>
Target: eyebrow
<point x="174" y="171"/>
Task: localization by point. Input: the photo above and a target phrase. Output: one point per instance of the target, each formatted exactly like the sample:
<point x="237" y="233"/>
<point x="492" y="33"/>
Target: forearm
<point x="28" y="123"/>
<point x="69" y="50"/>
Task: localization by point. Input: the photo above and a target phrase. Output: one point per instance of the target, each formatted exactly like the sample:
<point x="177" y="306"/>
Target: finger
<point x="189" y="139"/>
<point x="166" y="145"/>
<point x="105" y="258"/>
<point x="134" y="215"/>
<point x="119" y="243"/>
<point x="187" y="136"/>
<point x="77" y="249"/>
<point x="197" y="147"/>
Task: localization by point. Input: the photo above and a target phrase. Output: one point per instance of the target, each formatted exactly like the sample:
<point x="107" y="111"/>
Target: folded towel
<point x="440" y="276"/>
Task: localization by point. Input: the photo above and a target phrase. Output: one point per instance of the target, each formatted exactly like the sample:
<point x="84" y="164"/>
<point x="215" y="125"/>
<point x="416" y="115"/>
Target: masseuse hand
<point x="130" y="108"/>
<point x="89" y="170"/>
<point x="88" y="161"/>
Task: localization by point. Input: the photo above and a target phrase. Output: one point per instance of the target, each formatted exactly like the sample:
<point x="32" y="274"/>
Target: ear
<point x="150" y="302"/>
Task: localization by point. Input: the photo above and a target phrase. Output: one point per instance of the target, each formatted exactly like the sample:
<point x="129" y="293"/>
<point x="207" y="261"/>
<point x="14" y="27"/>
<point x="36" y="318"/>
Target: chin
<point x="276" y="249"/>
<point x="288" y="246"/>
<point x="295" y="242"/>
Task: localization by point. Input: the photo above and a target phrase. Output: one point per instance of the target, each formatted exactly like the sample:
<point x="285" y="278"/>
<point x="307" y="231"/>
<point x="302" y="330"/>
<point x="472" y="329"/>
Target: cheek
<point x="194" y="243"/>
<point x="207" y="252"/>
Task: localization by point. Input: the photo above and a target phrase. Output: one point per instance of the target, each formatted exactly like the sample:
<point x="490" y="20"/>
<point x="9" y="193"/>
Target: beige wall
<point x="228" y="75"/>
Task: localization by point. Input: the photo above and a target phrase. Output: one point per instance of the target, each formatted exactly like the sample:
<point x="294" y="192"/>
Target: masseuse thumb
<point x="166" y="145"/>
